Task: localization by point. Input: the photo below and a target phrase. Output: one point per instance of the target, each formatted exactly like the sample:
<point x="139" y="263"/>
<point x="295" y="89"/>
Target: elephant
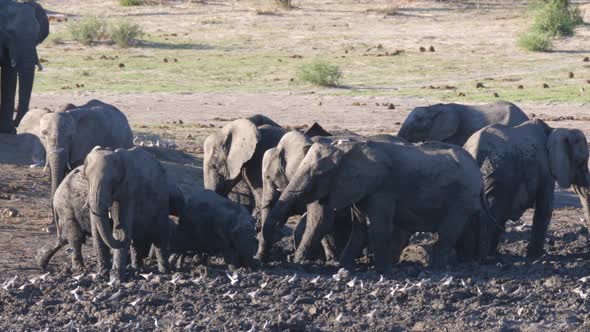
<point x="234" y="154"/>
<point x="455" y="123"/>
<point x="130" y="183"/>
<point x="396" y="189"/>
<point x="73" y="222"/>
<point x="70" y="135"/>
<point x="23" y="26"/>
<point x="211" y="224"/>
<point x="30" y="129"/>
<point x="520" y="166"/>
<point x="279" y="166"/>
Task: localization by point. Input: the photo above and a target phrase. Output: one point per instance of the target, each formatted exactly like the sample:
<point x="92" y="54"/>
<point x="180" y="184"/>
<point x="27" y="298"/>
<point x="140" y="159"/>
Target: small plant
<point x="535" y="41"/>
<point x="320" y="72"/>
<point x="556" y="18"/>
<point x="125" y="33"/>
<point x="129" y="3"/>
<point x="88" y="30"/>
<point x="285" y="4"/>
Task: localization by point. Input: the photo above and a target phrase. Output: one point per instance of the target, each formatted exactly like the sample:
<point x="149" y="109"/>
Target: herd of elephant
<point x="456" y="170"/>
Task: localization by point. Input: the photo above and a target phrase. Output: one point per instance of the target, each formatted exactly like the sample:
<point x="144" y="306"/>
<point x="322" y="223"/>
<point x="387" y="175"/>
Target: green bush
<point x="125" y="32"/>
<point x="285" y="4"/>
<point x="88" y="30"/>
<point x="535" y="41"/>
<point x="128" y="3"/>
<point x="556" y="18"/>
<point x="320" y="72"/>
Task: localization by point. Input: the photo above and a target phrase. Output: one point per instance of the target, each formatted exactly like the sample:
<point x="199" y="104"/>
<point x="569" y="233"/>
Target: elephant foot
<point x="118" y="276"/>
<point x="44" y="254"/>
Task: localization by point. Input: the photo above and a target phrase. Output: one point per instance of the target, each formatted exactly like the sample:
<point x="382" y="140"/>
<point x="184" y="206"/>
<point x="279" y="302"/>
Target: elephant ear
<point x="261" y="120"/>
<point x="42" y="19"/>
<point x="445" y="122"/>
<point x="240" y="138"/>
<point x="560" y="159"/>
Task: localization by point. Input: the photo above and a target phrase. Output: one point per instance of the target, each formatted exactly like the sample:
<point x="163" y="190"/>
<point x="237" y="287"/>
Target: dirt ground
<point x="507" y="293"/>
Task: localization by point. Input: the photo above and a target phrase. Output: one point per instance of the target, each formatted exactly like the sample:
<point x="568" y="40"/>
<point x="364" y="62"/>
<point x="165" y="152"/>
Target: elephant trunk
<point x="26" y="77"/>
<point x="99" y="202"/>
<point x="58" y="159"/>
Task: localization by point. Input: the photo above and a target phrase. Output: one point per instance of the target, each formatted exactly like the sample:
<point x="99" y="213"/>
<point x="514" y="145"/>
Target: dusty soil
<point x="508" y="293"/>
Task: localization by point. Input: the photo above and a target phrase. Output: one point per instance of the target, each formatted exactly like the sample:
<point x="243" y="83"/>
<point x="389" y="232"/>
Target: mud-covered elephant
<point x="520" y="166"/>
<point x="455" y="123"/>
<point x="433" y="187"/>
<point x="133" y="185"/>
<point x="70" y="135"/>
<point x="23" y="26"/>
<point x="214" y="225"/>
<point x="279" y="166"/>
<point x="72" y="215"/>
<point x="30" y="130"/>
<point x="233" y="156"/>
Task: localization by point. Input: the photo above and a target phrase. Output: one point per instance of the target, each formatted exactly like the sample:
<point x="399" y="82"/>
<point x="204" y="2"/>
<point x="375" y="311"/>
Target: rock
<point x="422" y="49"/>
<point x="165" y="60"/>
<point x="121" y="65"/>
<point x="419" y="326"/>
<point x="391" y="106"/>
<point x="545" y="86"/>
<point x="431" y="48"/>
<point x="9" y="213"/>
<point x="479" y="85"/>
<point x="496" y="95"/>
<point x="570" y="75"/>
<point x="520" y="87"/>
<point x="461" y="94"/>
<point x="586" y="59"/>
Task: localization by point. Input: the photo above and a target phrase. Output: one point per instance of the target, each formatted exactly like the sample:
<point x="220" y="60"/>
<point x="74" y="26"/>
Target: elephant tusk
<point x="69" y="165"/>
<point x="12" y="63"/>
<point x="39" y="67"/>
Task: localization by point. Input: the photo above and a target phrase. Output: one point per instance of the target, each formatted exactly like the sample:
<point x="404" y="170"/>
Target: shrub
<point x="125" y="32"/>
<point x="285" y="4"/>
<point x="535" y="41"/>
<point x="556" y="18"/>
<point x="88" y="30"/>
<point x="128" y="3"/>
<point x="320" y="72"/>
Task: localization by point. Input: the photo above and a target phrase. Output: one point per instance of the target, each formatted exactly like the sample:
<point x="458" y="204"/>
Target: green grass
<point x="88" y="30"/>
<point x="320" y="72"/>
<point x="128" y="3"/>
<point x="535" y="41"/>
<point x="557" y="18"/>
<point x="124" y="33"/>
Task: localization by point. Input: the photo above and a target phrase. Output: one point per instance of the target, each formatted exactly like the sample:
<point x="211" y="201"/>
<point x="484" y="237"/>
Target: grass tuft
<point x="284" y="4"/>
<point x="535" y="41"/>
<point x="88" y="30"/>
<point x="129" y="3"/>
<point x="557" y="18"/>
<point x="125" y="33"/>
<point x="320" y="72"/>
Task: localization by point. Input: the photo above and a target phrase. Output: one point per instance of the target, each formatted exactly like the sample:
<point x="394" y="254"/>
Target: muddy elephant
<point x="520" y="166"/>
<point x="30" y="130"/>
<point x="396" y="189"/>
<point x="279" y="166"/>
<point x="455" y="123"/>
<point x="23" y="26"/>
<point x="70" y="135"/>
<point x="72" y="215"/>
<point x="214" y="225"/>
<point x="233" y="156"/>
<point x="132" y="184"/>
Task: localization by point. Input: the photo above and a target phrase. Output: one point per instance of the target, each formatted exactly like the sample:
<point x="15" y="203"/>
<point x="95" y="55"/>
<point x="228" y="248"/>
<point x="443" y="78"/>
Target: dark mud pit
<point x="508" y="293"/>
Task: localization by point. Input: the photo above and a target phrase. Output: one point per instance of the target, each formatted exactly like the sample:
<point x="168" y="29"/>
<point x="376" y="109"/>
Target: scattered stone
<point x="391" y="106"/>
<point x="422" y="49"/>
<point x="496" y="95"/>
<point x="586" y="59"/>
<point x="461" y="94"/>
<point x="479" y="85"/>
<point x="570" y="75"/>
<point x="175" y="60"/>
<point x="9" y="213"/>
<point x="545" y="86"/>
<point x="121" y="65"/>
<point x="431" y="49"/>
<point x="520" y="87"/>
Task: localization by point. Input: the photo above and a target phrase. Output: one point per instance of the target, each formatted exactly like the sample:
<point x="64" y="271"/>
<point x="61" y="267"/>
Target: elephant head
<point x="226" y="152"/>
<point x="57" y="134"/>
<point x="568" y="161"/>
<point x="22" y="27"/>
<point x="310" y="182"/>
<point x="433" y="123"/>
<point x="106" y="171"/>
<point x="279" y="164"/>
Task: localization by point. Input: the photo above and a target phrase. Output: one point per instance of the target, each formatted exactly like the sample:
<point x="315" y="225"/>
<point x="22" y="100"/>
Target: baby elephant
<point x="73" y="224"/>
<point x="211" y="224"/>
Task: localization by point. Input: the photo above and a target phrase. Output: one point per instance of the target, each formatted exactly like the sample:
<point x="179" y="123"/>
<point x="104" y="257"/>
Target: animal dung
<point x="461" y="94"/>
<point x="479" y="85"/>
<point x="431" y="48"/>
<point x="570" y="75"/>
<point x="422" y="49"/>
<point x="520" y="87"/>
<point x="545" y="86"/>
<point x="496" y="95"/>
<point x="121" y="65"/>
<point x="586" y="59"/>
<point x="165" y="60"/>
<point x="391" y="106"/>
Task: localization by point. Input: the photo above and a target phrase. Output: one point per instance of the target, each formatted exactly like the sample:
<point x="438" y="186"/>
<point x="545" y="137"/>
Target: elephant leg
<point x="329" y="246"/>
<point x="121" y="256"/>
<point x="401" y="238"/>
<point x="135" y="253"/>
<point x="77" y="260"/>
<point x="541" y="219"/>
<point x="380" y="213"/>
<point x="102" y="252"/>
<point x="357" y="239"/>
<point x="162" y="257"/>
<point x="7" y="97"/>
<point x="584" y="195"/>
<point x="450" y="230"/>
<point x="44" y="254"/>
<point x="320" y="218"/>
